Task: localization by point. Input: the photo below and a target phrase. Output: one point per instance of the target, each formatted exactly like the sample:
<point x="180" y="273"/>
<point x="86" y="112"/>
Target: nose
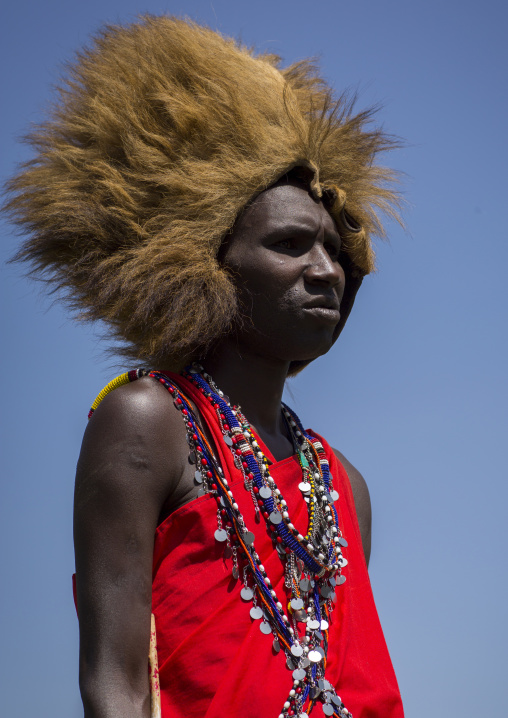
<point x="324" y="270"/>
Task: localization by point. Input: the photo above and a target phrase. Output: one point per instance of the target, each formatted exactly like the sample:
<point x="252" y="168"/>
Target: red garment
<point x="214" y="662"/>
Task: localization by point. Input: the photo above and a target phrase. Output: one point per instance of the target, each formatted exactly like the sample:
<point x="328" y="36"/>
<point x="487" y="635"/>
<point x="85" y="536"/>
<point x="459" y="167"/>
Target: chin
<point x="309" y="351"/>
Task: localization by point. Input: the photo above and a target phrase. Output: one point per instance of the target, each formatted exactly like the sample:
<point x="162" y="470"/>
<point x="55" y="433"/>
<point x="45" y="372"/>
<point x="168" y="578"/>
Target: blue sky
<point x="414" y="393"/>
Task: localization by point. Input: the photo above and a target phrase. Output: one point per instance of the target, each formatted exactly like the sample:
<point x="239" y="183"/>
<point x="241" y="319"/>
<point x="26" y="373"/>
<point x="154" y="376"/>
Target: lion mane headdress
<point x="162" y="134"/>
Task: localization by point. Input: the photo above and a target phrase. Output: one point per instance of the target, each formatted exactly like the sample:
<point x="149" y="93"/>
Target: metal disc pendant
<point x="220" y="535"/>
<point x="248" y="537"/>
<point x="247" y="593"/>
<point x="276" y="645"/>
<point x="341" y="580"/>
<point x="290" y="663"/>
<point x="198" y="477"/>
<point x="235" y="572"/>
<point x="335" y="495"/>
<point x="328" y="709"/>
<point x="313" y="625"/>
<point x="265" y="628"/>
<point x="304" y="486"/>
<point x="296" y="650"/>
<point x="301" y="616"/>
<point x="304" y="663"/>
<point x="342" y="562"/>
<point x="228" y="440"/>
<point x="314" y="692"/>
<point x="324" y="625"/>
<point x="305" y="585"/>
<point x="256" y="612"/>
<point x="275" y="518"/>
<point x="299" y="674"/>
<point x="192" y="457"/>
<point x="265" y="492"/>
<point x="325" y="591"/>
<point x="296" y="604"/>
<point x="314" y="656"/>
<point x="201" y="492"/>
<point x="342" y="541"/>
<point x="337" y="701"/>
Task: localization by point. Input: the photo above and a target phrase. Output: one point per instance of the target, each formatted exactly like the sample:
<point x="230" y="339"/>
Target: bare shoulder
<point x="362" y="502"/>
<point x="135" y="441"/>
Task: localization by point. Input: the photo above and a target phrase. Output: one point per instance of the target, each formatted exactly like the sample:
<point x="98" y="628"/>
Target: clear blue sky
<point x="414" y="393"/>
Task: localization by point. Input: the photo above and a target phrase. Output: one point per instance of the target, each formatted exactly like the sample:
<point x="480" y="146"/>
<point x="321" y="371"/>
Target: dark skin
<point x="284" y="255"/>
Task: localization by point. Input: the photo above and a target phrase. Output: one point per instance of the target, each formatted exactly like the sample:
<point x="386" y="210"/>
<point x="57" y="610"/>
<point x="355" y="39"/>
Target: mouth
<point x="326" y="308"/>
<point x="328" y="314"/>
<point x="323" y="302"/>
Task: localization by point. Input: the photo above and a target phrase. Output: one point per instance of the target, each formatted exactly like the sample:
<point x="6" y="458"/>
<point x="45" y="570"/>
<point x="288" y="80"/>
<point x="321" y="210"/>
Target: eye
<point x="284" y="243"/>
<point x="288" y="243"/>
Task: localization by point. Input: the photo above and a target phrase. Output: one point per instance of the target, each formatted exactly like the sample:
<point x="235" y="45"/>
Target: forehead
<point x="286" y="205"/>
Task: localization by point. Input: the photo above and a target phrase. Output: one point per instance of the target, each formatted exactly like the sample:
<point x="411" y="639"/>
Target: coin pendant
<point x="265" y="628"/>
<point x="314" y="656"/>
<point x="275" y="518"/>
<point x="248" y="537"/>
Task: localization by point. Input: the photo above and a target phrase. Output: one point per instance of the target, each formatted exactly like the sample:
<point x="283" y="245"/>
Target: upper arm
<point x="362" y="503"/>
<point x="130" y="461"/>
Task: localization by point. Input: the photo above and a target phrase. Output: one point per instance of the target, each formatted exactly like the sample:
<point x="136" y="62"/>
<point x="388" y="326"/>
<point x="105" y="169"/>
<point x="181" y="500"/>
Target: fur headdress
<point x="163" y="133"/>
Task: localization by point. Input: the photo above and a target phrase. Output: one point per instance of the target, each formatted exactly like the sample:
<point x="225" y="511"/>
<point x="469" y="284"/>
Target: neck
<point x="254" y="382"/>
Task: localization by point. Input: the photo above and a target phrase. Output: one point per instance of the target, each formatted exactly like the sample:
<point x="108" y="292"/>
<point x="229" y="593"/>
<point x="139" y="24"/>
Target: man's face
<point x="284" y="258"/>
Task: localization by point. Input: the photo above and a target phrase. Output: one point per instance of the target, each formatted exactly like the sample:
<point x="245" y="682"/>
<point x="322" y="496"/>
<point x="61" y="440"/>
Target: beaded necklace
<point x="312" y="563"/>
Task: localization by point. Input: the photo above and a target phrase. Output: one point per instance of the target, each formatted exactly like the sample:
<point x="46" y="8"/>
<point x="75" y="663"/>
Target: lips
<point x="324" y="308"/>
<point x="323" y="303"/>
<point x="327" y="314"/>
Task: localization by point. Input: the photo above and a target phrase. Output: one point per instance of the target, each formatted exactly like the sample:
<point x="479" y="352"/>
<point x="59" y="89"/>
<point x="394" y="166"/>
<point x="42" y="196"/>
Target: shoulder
<point x="143" y="405"/>
<point x="362" y="502"/>
<point x="135" y="430"/>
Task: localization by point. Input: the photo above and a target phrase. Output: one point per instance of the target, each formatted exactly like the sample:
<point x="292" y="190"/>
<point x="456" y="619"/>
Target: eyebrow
<point x="299" y="228"/>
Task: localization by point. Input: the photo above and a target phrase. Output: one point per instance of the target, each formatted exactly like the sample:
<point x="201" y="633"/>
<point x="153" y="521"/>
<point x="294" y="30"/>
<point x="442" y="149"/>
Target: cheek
<point x="272" y="299"/>
<point x="267" y="282"/>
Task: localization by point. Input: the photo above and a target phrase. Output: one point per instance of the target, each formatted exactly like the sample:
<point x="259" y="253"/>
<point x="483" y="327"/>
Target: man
<point x="216" y="212"/>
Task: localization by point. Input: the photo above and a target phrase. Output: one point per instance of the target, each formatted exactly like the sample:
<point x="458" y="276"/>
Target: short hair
<point x="162" y="133"/>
